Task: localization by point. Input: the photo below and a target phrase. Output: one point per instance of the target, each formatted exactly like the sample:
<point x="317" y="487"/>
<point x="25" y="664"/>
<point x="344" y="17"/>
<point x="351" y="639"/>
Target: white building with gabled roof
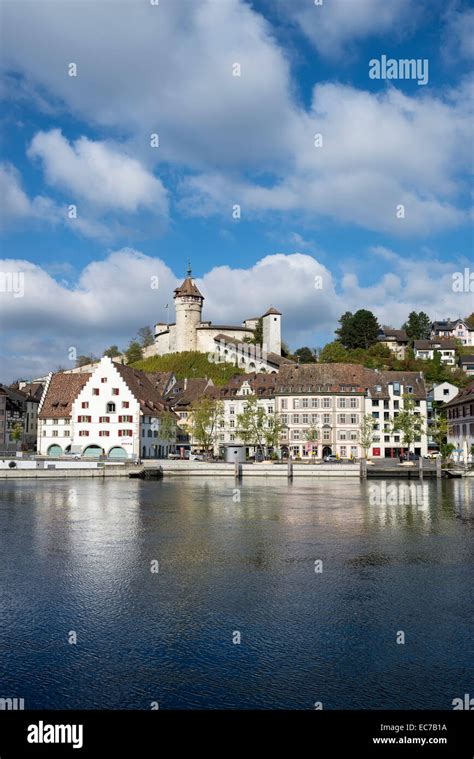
<point x="114" y="411"/>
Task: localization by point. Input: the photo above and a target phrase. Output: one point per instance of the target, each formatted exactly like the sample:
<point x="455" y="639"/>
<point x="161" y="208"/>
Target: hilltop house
<point x="458" y="329"/>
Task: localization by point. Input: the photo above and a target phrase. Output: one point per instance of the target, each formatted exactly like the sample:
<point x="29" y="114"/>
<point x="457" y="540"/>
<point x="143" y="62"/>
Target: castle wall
<point x="205" y="337"/>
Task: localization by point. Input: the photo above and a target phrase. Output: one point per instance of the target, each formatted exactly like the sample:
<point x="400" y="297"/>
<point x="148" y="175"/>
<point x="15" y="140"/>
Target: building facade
<point x="426" y="349"/>
<point x="334" y="398"/>
<point x="115" y="411"/>
<point x="460" y="413"/>
<point x="458" y="329"/>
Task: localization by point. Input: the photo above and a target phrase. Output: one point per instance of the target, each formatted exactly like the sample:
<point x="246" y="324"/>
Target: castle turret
<point x="188" y="302"/>
<point x="271" y="323"/>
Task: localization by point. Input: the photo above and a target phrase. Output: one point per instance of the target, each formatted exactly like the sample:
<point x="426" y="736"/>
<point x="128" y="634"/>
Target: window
<point x="296" y="402"/>
<point x="95" y="391"/>
<point x="353" y="435"/>
<point x="326" y="435"/>
<point x="314" y="419"/>
<point x="269" y="409"/>
<point x="104" y="433"/>
<point x="284" y="403"/>
<point x="103" y="379"/>
<point x="314" y="402"/>
<point x="284" y="418"/>
<point x="341" y="402"/>
<point x="232" y="437"/>
<point x="84" y="419"/>
<point x="326" y="418"/>
<point x="342" y="451"/>
<point x="354" y="418"/>
<point x="342" y="435"/>
<point x="110" y="408"/>
<point x="54" y="433"/>
<point x="85" y="404"/>
<point x="354" y="403"/>
<point x="232" y="423"/>
<point x="375" y="403"/>
<point x="127" y="418"/>
<point x="67" y="432"/>
<point x="341" y="419"/>
<point x="296" y="419"/>
<point x="295" y="434"/>
<point x="305" y="419"/>
<point x="104" y="419"/>
<point x="232" y="410"/>
<point x="115" y="391"/>
<point x="326" y="403"/>
<point x="150" y="433"/>
<point x="183" y="414"/>
<point x="125" y="404"/>
<point x="125" y="433"/>
<point x="305" y="402"/>
<point x="83" y="433"/>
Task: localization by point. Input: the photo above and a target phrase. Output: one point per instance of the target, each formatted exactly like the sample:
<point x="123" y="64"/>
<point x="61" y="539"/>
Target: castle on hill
<point x="222" y="342"/>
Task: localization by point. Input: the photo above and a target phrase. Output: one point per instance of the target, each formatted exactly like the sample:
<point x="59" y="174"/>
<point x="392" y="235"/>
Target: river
<point x="190" y="593"/>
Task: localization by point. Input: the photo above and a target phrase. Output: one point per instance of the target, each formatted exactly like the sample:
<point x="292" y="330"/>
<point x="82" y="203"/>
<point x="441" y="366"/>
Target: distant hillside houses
<point x="459" y="329"/>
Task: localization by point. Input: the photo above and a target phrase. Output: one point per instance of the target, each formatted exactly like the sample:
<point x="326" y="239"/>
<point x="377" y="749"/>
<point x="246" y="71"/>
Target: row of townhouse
<point x="460" y="413"/>
<point x="329" y="398"/>
<point x="19" y="409"/>
<point x="114" y="411"/>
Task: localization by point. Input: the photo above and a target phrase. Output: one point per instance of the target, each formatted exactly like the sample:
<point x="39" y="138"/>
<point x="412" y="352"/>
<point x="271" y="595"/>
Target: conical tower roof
<point x="188" y="287"/>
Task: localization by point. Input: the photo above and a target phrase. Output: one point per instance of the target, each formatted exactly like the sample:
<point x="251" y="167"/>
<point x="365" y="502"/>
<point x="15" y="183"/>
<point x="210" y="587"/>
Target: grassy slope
<point x="189" y="364"/>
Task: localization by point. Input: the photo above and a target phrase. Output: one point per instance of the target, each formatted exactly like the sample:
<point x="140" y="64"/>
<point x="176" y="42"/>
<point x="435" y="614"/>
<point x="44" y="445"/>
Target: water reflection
<point x="76" y="555"/>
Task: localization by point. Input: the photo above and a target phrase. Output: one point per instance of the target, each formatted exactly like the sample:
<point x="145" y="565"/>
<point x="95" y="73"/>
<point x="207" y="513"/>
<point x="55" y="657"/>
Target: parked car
<point x="330" y="458"/>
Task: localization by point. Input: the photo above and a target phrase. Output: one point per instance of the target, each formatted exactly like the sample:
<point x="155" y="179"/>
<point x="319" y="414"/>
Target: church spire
<point x="189" y="273"/>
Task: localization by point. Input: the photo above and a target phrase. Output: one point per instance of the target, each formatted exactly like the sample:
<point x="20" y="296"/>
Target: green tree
<point x="359" y="330"/>
<point x="408" y="422"/>
<point x="418" y="326"/>
<point x="252" y="424"/>
<point x="133" y="352"/>
<point x="84" y="360"/>
<point x="470" y="320"/>
<point x="273" y="431"/>
<point x="206" y="417"/>
<point x="305" y="355"/>
<point x="446" y="451"/>
<point x="366" y="429"/>
<point x="112" y="352"/>
<point x="438" y="429"/>
<point x="333" y="353"/>
<point x="258" y="333"/>
<point x="145" y="337"/>
<point x="16" y="433"/>
<point x="167" y="426"/>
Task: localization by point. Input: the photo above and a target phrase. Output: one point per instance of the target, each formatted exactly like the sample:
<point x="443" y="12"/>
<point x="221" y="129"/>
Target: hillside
<point x="188" y="364"/>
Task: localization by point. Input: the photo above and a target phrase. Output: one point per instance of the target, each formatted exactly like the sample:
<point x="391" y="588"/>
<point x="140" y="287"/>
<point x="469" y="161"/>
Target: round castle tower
<point x="188" y="303"/>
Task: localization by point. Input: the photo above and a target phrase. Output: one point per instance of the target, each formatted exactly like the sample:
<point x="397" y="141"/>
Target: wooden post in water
<point x="420" y="467"/>
<point x="238" y="470"/>
<point x="363" y="469"/>
<point x="438" y="467"/>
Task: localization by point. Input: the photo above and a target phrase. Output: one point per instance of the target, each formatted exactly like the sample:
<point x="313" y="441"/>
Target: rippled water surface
<point x="75" y="555"/>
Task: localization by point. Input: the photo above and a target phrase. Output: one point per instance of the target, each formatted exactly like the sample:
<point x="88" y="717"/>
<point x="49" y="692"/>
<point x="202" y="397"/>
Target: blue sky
<point x="306" y="211"/>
